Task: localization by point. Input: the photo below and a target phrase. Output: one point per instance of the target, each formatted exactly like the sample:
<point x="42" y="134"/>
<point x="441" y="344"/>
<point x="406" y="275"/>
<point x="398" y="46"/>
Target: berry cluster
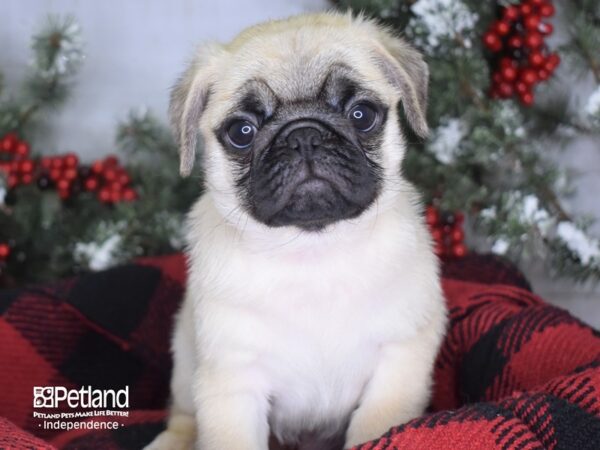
<point x="110" y="181"/>
<point x="15" y="160"/>
<point x="61" y="172"/>
<point x="520" y="56"/>
<point x="447" y="232"/>
<point x="106" y="178"/>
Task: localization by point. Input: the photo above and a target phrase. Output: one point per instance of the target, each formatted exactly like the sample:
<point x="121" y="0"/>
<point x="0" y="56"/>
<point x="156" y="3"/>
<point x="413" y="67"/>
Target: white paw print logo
<point x="43" y="397"/>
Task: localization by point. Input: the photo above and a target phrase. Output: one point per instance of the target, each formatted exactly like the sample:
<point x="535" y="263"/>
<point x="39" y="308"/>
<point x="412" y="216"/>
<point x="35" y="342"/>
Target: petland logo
<point x="85" y="397"/>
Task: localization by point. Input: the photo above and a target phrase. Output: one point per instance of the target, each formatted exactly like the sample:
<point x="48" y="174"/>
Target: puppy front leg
<point x="398" y="390"/>
<point x="180" y="432"/>
<point x="231" y="410"/>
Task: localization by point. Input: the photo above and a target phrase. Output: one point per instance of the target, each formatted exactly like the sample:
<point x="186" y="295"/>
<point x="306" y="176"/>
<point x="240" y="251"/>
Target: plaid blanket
<point x="513" y="372"/>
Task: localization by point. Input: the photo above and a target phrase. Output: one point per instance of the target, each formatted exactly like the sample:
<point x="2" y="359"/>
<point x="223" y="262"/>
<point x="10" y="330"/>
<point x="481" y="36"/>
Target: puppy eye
<point x="241" y="133"/>
<point x="363" y="117"/>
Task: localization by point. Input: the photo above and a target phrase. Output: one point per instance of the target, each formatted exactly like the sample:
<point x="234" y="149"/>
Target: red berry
<point x="536" y="59"/>
<point x="115" y="196"/>
<point x="70" y="174"/>
<point x="27" y="178"/>
<point x="63" y="184"/>
<point x="4" y="251"/>
<point x="459" y="250"/>
<point x="532" y="22"/>
<point x="431" y="216"/>
<point x="537" y="3"/>
<point x="509" y="73"/>
<point x="22" y="149"/>
<point x="547" y="10"/>
<point x="124" y="179"/>
<point x="492" y="41"/>
<point x="502" y="28"/>
<point x="529" y="76"/>
<point x="91" y="184"/>
<point x="505" y="89"/>
<point x="459" y="217"/>
<point x="526" y="98"/>
<point x="511" y="13"/>
<point x="543" y="74"/>
<point x="71" y="160"/>
<point x="534" y="40"/>
<point x="104" y="195"/>
<point x="111" y="161"/>
<point x="8" y="142"/>
<point x="55" y="174"/>
<point x="115" y="186"/>
<point x="110" y="174"/>
<point x="458" y="235"/>
<point x="57" y="162"/>
<point x="526" y="9"/>
<point x="14" y="167"/>
<point x="515" y="42"/>
<point x="97" y="167"/>
<point x="130" y="195"/>
<point x="26" y="166"/>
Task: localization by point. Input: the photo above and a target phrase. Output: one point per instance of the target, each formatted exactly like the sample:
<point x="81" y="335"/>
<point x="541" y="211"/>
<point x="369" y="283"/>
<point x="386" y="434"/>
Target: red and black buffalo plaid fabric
<point x="513" y="372"/>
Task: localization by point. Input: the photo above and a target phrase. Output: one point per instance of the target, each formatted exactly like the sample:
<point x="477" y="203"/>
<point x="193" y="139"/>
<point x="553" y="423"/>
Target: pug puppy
<point x="313" y="309"/>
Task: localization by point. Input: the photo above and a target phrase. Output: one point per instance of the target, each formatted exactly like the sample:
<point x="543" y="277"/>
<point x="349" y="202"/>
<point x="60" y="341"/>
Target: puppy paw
<point x="169" y="440"/>
<point x="361" y="433"/>
<point x="179" y="435"/>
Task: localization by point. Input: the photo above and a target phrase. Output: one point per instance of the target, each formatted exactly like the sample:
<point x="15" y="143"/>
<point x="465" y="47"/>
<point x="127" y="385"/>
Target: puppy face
<point x="299" y="119"/>
<point x="309" y="161"/>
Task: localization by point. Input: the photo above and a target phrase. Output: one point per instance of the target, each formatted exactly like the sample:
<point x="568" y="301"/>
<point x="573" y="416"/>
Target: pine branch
<point x="58" y="54"/>
<point x="587" y="55"/>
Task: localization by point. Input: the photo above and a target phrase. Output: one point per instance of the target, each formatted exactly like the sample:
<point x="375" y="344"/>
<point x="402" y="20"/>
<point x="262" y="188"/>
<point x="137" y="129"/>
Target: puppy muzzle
<point x="311" y="176"/>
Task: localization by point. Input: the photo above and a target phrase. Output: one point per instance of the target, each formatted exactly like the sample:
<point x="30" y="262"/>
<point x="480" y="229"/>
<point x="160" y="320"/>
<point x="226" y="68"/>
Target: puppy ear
<point x="405" y="69"/>
<point x="188" y="101"/>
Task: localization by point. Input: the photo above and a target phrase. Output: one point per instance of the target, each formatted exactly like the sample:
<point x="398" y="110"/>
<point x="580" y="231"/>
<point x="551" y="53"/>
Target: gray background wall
<point x="136" y="48"/>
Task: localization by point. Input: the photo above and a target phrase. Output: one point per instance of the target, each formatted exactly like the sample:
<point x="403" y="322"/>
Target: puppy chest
<point x="318" y="387"/>
<point x="318" y="369"/>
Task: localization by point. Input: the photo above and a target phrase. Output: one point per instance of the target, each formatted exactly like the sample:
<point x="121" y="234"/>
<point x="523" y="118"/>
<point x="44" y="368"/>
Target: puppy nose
<point x="304" y="138"/>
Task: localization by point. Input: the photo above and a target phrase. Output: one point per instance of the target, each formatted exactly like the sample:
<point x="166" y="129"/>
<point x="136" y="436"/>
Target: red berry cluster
<point x="110" y="181"/>
<point x="15" y="160"/>
<point x="106" y="178"/>
<point x="447" y="232"/>
<point x="520" y="56"/>
<point x="63" y="171"/>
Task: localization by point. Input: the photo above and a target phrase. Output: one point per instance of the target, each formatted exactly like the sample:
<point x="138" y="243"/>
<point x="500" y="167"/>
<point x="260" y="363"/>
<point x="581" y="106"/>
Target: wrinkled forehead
<point x="267" y="75"/>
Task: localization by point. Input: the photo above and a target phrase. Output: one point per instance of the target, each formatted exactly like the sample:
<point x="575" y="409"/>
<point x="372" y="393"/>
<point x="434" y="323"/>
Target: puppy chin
<point x="314" y="204"/>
